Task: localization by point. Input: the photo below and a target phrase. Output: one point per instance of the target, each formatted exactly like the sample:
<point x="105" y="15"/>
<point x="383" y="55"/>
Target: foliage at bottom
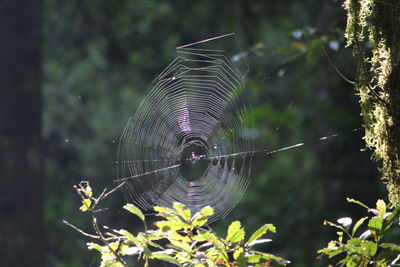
<point x="179" y="237"/>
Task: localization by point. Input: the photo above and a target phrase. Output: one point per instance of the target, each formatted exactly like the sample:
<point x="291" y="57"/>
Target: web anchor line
<point x="269" y="152"/>
<point x="147" y="173"/>
<point x="266" y="151"/>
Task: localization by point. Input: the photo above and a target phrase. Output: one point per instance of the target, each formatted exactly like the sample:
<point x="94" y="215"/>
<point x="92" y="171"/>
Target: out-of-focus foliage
<point x="181" y="238"/>
<point x="99" y="59"/>
<point x="370" y="247"/>
<point x="373" y="30"/>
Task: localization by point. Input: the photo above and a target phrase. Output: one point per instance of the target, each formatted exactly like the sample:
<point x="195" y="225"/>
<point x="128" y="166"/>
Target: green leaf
<point x="153" y="244"/>
<point x="85" y="205"/>
<point x="375" y="224"/>
<point x="261" y="231"/>
<point x="164" y="257"/>
<point x="340" y="236"/>
<point x="333" y="249"/>
<point x="354" y="241"/>
<point x="201" y="218"/>
<point x="177" y="236"/>
<point x="180" y="208"/>
<point x="267" y="256"/>
<point x="135" y="210"/>
<point x="253" y="258"/>
<point x="213" y="253"/>
<point x="235" y="232"/>
<point x="167" y="226"/>
<point x="128" y="235"/>
<point x="164" y="210"/>
<point x="358" y="224"/>
<point x="95" y="246"/>
<point x="391" y="246"/>
<point x="198" y="219"/>
<point x="237" y="253"/>
<point x="381" y="207"/>
<point x="390" y="219"/>
<point x="369" y="248"/>
<point x="167" y="213"/>
<point x="207" y="211"/>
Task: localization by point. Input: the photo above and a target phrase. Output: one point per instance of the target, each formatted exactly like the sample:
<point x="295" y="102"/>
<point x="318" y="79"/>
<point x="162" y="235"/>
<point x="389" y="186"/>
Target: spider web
<point x="191" y="139"/>
<point x="187" y="141"/>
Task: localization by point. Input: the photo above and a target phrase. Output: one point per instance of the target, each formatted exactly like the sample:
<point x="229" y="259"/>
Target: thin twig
<point x="104" y="240"/>
<point x="91" y="210"/>
<point x="111" y="191"/>
<point x="80" y="231"/>
<point x="87" y="234"/>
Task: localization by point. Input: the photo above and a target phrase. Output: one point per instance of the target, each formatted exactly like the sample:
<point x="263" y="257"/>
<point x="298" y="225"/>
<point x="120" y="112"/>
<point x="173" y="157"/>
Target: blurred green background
<point x="98" y="59"/>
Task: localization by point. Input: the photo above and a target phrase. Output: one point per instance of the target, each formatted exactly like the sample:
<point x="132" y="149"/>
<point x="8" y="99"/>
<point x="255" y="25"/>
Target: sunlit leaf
<point x="381" y="207"/>
<point x="253" y="258"/>
<point x="180" y="208"/>
<point x="128" y="235"/>
<point x="177" y="236"/>
<point x="237" y="253"/>
<point x="391" y="246"/>
<point x="135" y="210"/>
<point x="369" y="248"/>
<point x="207" y="211"/>
<point x="390" y="219"/>
<point x="85" y="205"/>
<point x="166" y="226"/>
<point x="198" y="219"/>
<point x="375" y="224"/>
<point x="235" y="232"/>
<point x="165" y="257"/>
<point x="95" y="246"/>
<point x="262" y="231"/>
<point x="164" y="210"/>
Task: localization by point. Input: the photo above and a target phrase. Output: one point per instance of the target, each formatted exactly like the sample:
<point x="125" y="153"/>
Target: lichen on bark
<point x="373" y="30"/>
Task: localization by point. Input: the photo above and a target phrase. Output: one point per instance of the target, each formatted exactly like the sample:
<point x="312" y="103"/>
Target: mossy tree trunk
<point x="373" y="30"/>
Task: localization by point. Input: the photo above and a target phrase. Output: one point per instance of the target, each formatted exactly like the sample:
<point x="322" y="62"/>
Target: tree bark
<point x="22" y="241"/>
<point x="378" y="80"/>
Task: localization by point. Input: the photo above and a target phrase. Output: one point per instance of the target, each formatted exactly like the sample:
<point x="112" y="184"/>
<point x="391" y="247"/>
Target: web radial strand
<point x="172" y="148"/>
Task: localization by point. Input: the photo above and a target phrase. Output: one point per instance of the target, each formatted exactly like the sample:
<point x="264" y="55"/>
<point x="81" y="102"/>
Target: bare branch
<point x="80" y="231"/>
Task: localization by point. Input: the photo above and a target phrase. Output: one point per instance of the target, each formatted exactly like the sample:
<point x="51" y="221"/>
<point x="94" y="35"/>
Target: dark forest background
<point x="72" y="72"/>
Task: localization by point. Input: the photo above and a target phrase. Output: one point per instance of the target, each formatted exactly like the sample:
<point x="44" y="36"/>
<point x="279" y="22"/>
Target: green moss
<point x="378" y="80"/>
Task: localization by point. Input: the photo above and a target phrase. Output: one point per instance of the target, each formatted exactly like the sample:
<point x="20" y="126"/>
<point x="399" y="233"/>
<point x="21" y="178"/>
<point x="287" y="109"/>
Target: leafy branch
<point x="179" y="237"/>
<point x="367" y="248"/>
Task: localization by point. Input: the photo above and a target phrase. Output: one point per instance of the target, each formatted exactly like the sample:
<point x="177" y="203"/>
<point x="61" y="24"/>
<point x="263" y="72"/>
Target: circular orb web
<point x="190" y="138"/>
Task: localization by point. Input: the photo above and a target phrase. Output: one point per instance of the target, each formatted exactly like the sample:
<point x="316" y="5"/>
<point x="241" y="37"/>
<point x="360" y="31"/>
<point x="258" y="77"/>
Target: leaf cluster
<point x="180" y="238"/>
<point x="367" y="248"/>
